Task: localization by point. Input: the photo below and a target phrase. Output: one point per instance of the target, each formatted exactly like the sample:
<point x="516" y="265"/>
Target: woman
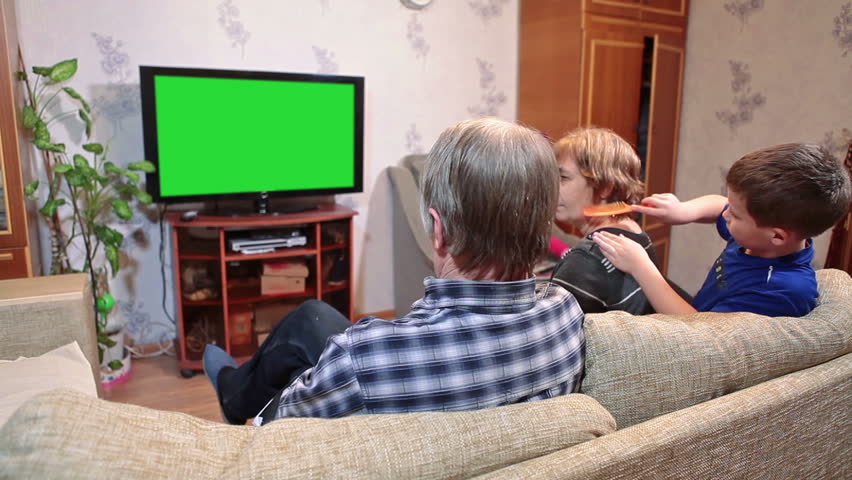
<point x="597" y="167"/>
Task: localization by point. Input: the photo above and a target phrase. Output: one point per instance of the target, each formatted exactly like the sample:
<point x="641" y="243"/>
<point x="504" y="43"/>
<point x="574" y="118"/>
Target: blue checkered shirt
<point x="465" y="345"/>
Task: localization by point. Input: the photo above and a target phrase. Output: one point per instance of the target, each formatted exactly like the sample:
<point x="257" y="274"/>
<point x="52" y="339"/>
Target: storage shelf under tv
<point x="203" y="242"/>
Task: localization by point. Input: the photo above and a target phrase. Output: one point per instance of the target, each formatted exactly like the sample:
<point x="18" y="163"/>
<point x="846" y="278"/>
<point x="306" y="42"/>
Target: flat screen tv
<point x="230" y="134"/>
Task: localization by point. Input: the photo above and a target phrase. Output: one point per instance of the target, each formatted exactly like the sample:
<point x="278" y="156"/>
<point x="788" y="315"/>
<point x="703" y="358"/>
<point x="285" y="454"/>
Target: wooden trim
<point x="663" y="241"/>
<point x="595" y="42"/>
<point x="663" y="11"/>
<point x="679" y="100"/>
<point x="4" y="257"/>
<point x="634" y="23"/>
<point x="612" y="3"/>
<point x="649" y="151"/>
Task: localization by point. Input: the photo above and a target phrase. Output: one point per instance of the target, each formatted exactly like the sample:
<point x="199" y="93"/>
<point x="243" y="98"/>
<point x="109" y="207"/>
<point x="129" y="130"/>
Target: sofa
<point x="707" y="395"/>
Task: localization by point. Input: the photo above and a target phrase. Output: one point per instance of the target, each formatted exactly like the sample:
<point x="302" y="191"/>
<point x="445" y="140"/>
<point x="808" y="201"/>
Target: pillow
<point x="102" y="439"/>
<point x="24" y="378"/>
<point x="643" y="367"/>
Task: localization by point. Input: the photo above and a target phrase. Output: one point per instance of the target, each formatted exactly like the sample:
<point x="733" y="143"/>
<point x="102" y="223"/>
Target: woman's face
<point x="575" y="192"/>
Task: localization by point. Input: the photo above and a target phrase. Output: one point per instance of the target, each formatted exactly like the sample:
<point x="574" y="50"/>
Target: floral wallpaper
<point x="757" y="73"/>
<point x="424" y="70"/>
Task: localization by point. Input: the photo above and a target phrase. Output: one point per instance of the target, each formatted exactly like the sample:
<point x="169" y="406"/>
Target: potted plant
<point x="83" y="192"/>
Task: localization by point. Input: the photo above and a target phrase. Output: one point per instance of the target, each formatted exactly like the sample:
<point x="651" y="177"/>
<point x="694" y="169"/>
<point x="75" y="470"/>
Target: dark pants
<point x="292" y="347"/>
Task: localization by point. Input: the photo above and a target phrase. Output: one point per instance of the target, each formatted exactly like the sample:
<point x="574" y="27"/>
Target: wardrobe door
<point x="663" y="122"/>
<point x="612" y="76"/>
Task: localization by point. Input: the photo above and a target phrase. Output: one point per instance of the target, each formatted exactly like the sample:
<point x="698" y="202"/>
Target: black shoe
<point x="215" y="361"/>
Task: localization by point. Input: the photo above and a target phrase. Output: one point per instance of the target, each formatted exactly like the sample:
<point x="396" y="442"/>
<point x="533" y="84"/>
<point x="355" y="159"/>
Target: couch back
<point x="642" y="367"/>
<point x="793" y="427"/>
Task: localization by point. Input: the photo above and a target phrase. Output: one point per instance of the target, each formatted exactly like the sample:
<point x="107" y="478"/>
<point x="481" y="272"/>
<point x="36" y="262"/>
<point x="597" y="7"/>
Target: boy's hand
<point x="666" y="207"/>
<point x="627" y="255"/>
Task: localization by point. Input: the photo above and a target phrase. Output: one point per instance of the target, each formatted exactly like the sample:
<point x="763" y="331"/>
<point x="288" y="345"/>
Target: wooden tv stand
<point x="214" y="283"/>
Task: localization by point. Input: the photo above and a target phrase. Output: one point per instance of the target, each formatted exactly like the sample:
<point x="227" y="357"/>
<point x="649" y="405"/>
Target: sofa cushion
<point x="69" y="435"/>
<point x="25" y="378"/>
<point x="643" y="367"/>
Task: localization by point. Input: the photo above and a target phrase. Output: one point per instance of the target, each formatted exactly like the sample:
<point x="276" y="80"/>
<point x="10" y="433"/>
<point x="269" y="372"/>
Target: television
<point x="236" y="134"/>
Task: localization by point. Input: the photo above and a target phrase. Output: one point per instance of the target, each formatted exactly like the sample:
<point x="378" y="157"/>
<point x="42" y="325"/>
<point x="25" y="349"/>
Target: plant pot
<point x="110" y="376"/>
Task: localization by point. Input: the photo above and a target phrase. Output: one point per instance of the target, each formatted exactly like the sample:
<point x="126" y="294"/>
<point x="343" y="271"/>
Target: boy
<point x="778" y="198"/>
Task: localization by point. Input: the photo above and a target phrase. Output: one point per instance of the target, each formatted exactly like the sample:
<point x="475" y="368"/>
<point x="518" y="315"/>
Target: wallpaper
<point x="758" y="73"/>
<point x="424" y="70"/>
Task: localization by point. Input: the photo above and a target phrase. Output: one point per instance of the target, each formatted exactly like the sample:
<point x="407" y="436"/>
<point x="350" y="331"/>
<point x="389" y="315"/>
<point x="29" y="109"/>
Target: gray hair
<point x="495" y="185"/>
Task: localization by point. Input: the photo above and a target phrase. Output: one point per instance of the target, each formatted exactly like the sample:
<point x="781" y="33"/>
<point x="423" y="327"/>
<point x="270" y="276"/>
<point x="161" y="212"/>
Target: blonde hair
<point x="495" y="185"/>
<point x="606" y="160"/>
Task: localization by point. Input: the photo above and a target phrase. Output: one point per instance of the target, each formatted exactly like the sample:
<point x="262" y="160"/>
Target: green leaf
<point x="85" y="118"/>
<point x="104" y="181"/>
<point x="75" y="177"/>
<point x="121" y="209"/>
<point x="94" y="148"/>
<point x="41" y="131"/>
<point x="30" y="118"/>
<point x="51" y="147"/>
<point x="143" y="197"/>
<point x="22" y="76"/>
<point x="80" y="161"/>
<point x="143" y="166"/>
<point x="112" y="256"/>
<point x="76" y="96"/>
<point x="115" y="364"/>
<point x="110" y="167"/>
<point x="31" y="188"/>
<point x="109" y="235"/>
<point x="43" y="71"/>
<point x="133" y="176"/>
<point x="62" y="168"/>
<point x="49" y="208"/>
<point x="63" y="70"/>
<point x="104" y="340"/>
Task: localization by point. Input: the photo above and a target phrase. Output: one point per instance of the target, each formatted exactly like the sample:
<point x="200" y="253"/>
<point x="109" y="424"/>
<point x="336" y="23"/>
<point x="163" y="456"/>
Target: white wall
<point x="424" y="71"/>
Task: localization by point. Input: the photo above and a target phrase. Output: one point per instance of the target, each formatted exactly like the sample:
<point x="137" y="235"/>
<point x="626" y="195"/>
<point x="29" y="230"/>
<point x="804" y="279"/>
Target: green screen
<point x="223" y="135"/>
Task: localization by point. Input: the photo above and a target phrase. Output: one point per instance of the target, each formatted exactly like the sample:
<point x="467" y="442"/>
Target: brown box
<point x="267" y="315"/>
<point x="273" y="284"/>
<point x="239" y="324"/>
<point x="288" y="268"/>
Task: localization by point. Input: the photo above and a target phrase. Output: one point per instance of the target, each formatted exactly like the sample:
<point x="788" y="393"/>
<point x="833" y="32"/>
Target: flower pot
<point x="110" y="376"/>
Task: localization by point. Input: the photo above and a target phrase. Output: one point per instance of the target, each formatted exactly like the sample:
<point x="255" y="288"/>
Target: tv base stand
<point x="227" y="298"/>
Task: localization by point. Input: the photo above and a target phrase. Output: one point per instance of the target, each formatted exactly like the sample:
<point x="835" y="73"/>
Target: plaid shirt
<point x="465" y="345"/>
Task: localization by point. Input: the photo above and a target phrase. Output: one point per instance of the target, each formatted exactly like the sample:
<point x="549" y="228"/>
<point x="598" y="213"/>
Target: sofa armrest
<point x="43" y="313"/>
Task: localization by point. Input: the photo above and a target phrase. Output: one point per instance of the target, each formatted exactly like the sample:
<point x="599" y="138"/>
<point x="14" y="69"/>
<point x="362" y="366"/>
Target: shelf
<point x="334" y="288"/>
<point x="243" y="272"/>
<point x="199" y="256"/>
<point x="252" y="295"/>
<point x="202" y="303"/>
<point x="290" y="252"/>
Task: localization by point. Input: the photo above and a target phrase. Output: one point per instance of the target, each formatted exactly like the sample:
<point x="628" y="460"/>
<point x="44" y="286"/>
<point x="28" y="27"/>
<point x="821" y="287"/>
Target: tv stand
<point x="220" y="292"/>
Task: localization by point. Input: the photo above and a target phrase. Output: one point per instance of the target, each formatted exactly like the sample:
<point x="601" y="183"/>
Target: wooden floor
<point x="155" y="382"/>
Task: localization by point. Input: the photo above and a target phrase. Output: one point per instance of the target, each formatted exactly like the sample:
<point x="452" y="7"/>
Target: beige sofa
<point x="699" y="396"/>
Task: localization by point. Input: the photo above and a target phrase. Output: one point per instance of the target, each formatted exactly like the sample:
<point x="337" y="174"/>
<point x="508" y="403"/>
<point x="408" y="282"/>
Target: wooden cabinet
<point x="608" y="63"/>
<point x="14" y="246"/>
<point x="226" y="301"/>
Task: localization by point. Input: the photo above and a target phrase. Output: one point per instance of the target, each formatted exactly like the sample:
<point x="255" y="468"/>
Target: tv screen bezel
<point x="147" y="73"/>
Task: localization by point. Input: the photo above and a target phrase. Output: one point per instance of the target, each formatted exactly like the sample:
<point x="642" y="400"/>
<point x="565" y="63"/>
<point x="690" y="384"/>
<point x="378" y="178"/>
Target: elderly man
<point x="483" y="335"/>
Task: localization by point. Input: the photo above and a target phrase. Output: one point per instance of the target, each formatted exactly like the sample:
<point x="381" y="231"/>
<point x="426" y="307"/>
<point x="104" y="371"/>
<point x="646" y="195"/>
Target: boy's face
<point x="755" y="239"/>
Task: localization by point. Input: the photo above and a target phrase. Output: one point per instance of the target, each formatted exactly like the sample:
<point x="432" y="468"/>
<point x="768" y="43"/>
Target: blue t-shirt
<point x="775" y="287"/>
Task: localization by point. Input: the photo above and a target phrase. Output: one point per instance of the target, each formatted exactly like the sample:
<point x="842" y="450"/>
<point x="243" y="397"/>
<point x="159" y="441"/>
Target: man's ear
<point x="438" y="242"/>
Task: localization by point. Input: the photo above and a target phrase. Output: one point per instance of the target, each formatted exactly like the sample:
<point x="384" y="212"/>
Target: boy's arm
<point x="629" y="257"/>
<point x="669" y="209"/>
